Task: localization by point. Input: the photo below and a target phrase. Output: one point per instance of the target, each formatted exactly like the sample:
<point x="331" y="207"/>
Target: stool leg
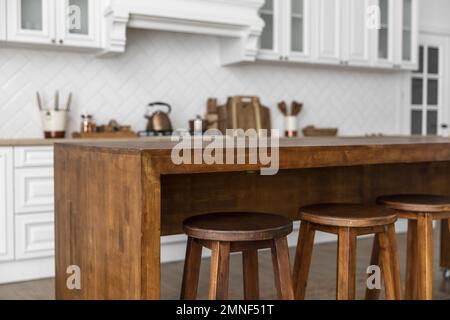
<point x="282" y="269"/>
<point x="392" y="235"/>
<point x="411" y="261"/>
<point x="251" y="278"/>
<point x="386" y="265"/>
<point x="191" y="270"/>
<point x="346" y="264"/>
<point x="302" y="260"/>
<point x="374" y="294"/>
<point x="220" y="267"/>
<point x="425" y="257"/>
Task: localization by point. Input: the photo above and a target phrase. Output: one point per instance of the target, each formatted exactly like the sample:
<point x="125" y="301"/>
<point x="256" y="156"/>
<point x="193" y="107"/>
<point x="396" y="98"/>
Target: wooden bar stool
<point x="420" y="210"/>
<point x="236" y="232"/>
<point x="348" y="221"/>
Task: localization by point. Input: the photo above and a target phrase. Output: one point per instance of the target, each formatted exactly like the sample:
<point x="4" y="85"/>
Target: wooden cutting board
<point x="244" y="112"/>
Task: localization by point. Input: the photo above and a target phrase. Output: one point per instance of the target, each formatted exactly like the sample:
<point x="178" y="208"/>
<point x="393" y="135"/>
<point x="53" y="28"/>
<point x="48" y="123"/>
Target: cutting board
<point x="244" y="112"/>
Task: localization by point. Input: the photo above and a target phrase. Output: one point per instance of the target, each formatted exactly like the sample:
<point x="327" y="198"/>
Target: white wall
<point x="435" y="14"/>
<point x="184" y="70"/>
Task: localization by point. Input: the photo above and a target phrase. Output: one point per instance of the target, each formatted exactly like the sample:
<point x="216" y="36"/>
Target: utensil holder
<point x="290" y="125"/>
<point x="54" y="123"/>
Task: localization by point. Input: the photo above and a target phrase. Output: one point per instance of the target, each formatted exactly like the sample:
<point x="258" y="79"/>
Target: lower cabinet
<point x="26" y="213"/>
<point x="6" y="205"/>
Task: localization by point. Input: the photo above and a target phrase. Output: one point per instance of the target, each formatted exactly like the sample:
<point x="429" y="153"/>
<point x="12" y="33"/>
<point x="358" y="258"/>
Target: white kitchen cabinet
<point x="30" y="157"/>
<point x="73" y="23"/>
<point x="31" y="21"/>
<point x="2" y="20"/>
<point x="355" y="33"/>
<point x="271" y="40"/>
<point x="34" y="236"/>
<point x="328" y="16"/>
<point x="287" y="31"/>
<point x="384" y="37"/>
<point x="406" y="43"/>
<point x="6" y="204"/>
<point x="298" y="30"/>
<point x="33" y="190"/>
<point x="78" y="23"/>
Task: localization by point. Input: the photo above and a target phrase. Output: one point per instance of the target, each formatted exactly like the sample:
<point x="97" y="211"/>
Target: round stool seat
<point x="416" y="203"/>
<point x="348" y="215"/>
<point x="237" y="226"/>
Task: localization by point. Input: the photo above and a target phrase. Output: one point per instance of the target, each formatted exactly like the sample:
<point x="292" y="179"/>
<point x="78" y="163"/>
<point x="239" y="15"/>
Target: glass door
<point x="77" y="24"/>
<point x="269" y="42"/>
<point x="408" y="46"/>
<point x="427" y="96"/>
<point x="31" y="21"/>
<point x="385" y="33"/>
<point x="298" y="29"/>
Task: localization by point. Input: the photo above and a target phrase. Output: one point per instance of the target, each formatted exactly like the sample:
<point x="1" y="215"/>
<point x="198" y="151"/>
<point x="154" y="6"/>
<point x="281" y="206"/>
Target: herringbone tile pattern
<point x="185" y="70"/>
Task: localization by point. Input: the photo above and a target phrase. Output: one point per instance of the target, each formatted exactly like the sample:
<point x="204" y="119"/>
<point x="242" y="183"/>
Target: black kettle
<point x="159" y="121"/>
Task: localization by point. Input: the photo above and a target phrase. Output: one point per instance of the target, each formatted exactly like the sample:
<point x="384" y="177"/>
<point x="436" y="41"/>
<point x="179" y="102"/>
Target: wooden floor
<point x="321" y="282"/>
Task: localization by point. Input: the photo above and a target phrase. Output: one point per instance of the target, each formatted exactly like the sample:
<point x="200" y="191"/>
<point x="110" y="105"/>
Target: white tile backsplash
<point x="184" y="70"/>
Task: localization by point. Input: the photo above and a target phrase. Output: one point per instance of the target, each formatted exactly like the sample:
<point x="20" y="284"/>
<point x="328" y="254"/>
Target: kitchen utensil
<point x="57" y="100"/>
<point x="296" y="108"/>
<point x="69" y="102"/>
<point x="244" y="112"/>
<point x="283" y="108"/>
<point x="39" y="101"/>
<point x="159" y="121"/>
<point x="312" y="131"/>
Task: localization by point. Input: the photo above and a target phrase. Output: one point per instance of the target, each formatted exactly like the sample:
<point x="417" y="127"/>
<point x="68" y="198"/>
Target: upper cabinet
<point x="365" y="33"/>
<point x="287" y="31"/>
<point x="2" y="20"/>
<point x="407" y="34"/>
<point x="59" y="22"/>
<point x="328" y="30"/>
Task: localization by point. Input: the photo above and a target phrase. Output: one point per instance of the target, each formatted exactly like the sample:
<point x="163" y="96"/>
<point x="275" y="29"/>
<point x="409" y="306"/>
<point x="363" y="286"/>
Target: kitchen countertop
<point x="50" y="142"/>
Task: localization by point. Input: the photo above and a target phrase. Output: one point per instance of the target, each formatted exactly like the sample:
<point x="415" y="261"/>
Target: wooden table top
<point x="325" y="142"/>
<point x="294" y="153"/>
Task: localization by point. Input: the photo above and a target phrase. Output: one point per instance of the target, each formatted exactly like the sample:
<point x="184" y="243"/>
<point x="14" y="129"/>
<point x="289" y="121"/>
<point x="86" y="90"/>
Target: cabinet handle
<point x="286" y="58"/>
<point x="53" y="40"/>
<point x="61" y="41"/>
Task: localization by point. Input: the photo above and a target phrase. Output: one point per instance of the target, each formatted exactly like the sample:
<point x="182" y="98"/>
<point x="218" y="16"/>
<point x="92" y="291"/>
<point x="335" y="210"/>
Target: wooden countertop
<point x="293" y="153"/>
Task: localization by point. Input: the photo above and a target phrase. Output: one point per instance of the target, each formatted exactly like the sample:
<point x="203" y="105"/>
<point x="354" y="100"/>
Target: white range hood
<point x="236" y="22"/>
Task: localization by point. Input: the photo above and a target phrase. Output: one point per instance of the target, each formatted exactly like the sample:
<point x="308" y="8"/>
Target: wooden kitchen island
<point x="114" y="200"/>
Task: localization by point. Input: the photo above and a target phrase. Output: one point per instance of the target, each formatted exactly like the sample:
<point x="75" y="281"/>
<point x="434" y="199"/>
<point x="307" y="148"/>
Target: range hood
<point x="236" y="22"/>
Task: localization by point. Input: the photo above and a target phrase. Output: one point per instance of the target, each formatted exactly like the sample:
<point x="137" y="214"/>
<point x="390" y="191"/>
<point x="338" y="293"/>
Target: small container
<point x="87" y="124"/>
<point x="54" y="123"/>
<point x="290" y="125"/>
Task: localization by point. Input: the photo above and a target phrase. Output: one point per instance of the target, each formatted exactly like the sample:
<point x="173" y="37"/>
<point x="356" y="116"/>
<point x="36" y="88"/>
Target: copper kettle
<point x="159" y="121"/>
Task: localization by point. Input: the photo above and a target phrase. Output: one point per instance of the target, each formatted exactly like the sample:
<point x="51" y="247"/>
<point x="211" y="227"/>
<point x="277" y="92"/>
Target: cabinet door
<point x="384" y="37"/>
<point x="31" y="21"/>
<point x="356" y="32"/>
<point x="2" y="20"/>
<point x="297" y="24"/>
<point x="6" y="205"/>
<point x="407" y="34"/>
<point x="270" y="42"/>
<point x="78" y="22"/>
<point x="328" y="14"/>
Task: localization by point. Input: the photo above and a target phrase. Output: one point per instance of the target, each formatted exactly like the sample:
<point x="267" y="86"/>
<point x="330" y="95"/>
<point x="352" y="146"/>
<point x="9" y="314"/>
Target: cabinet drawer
<point x="34" y="236"/>
<point x="26" y="157"/>
<point x="33" y="190"/>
